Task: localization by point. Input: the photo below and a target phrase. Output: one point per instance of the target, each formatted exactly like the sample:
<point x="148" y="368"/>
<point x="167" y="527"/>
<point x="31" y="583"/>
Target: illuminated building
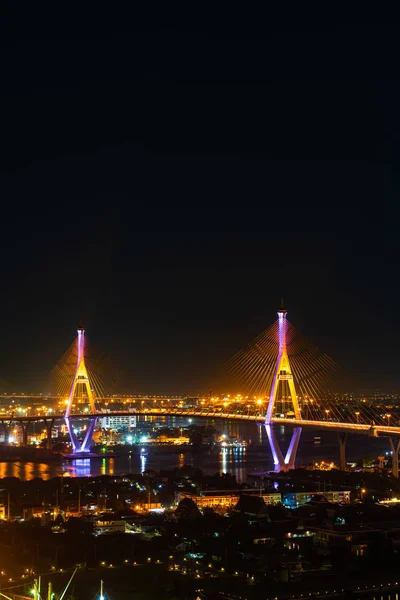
<point x="228" y="499"/>
<point x="225" y="499"/>
<point x="33" y="511"/>
<point x="294" y="499"/>
<point x="164" y="439"/>
<point x="118" y="422"/>
<point x="148" y="507"/>
<point x="107" y="525"/>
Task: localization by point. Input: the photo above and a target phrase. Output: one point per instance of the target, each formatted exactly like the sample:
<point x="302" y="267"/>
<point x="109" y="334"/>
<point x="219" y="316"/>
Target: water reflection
<point x="181" y="460"/>
<point x="239" y="471"/>
<point x="81" y="467"/>
<point x="143" y="459"/>
<point x="232" y="460"/>
<point x="26" y="470"/>
<point x="238" y="461"/>
<point x="107" y="466"/>
<point x="224" y="460"/>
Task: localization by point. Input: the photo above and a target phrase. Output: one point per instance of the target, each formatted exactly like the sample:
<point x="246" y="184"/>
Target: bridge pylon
<point x="80" y="381"/>
<point x="282" y="373"/>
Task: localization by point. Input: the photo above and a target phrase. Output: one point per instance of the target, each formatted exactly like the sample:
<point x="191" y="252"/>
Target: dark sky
<point x="168" y="184"/>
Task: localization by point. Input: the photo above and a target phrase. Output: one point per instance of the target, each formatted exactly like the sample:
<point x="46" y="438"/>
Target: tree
<point x="187" y="510"/>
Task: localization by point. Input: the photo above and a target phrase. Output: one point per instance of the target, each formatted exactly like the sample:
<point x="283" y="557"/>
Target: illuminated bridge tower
<point x="81" y="384"/>
<point x="282" y="373"/>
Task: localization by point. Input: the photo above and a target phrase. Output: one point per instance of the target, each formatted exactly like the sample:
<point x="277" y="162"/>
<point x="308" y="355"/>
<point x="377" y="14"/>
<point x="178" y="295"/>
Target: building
<point x="148" y="507"/>
<point x="33" y="511"/>
<point x="118" y="422"/>
<point x="164" y="439"/>
<point x="275" y="498"/>
<point x="215" y="499"/>
<point x="110" y="524"/>
<point x="295" y="499"/>
<point x="354" y="541"/>
<point x="226" y="499"/>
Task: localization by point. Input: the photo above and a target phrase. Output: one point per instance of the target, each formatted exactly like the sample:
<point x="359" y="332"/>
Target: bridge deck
<point x="357" y="428"/>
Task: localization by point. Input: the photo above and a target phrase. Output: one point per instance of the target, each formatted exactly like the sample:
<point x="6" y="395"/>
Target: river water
<point x="256" y="457"/>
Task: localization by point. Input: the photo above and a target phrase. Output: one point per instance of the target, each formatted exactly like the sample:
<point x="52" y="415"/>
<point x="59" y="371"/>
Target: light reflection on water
<point x="26" y="470"/>
<point x="238" y="461"/>
<point x="142" y="462"/>
<point x="224" y="460"/>
<point x="233" y="460"/>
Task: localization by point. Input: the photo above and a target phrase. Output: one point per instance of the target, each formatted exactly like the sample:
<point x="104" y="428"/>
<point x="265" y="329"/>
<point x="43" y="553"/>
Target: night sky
<point x="169" y="184"/>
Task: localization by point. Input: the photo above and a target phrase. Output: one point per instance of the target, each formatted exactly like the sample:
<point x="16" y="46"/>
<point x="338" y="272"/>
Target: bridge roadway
<point x="341" y="427"/>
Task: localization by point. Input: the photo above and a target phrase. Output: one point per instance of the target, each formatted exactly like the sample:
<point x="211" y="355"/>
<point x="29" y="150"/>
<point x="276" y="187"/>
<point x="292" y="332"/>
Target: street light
<point x="357" y="415"/>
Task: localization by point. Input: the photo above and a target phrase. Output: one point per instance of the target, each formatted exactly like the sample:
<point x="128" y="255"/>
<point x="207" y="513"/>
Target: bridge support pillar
<point x="395" y="447"/>
<point x="280" y="463"/>
<point x="342" y="450"/>
<point x="49" y="427"/>
<point x="79" y="447"/>
<point x="24" y="427"/>
<point x="6" y="427"/>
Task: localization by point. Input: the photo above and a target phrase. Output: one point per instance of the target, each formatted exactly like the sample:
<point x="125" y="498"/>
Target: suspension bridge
<point x="287" y="379"/>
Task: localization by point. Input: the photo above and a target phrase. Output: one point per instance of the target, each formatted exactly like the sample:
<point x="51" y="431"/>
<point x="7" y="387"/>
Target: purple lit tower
<point x="282" y="373"/>
<point x="81" y="383"/>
